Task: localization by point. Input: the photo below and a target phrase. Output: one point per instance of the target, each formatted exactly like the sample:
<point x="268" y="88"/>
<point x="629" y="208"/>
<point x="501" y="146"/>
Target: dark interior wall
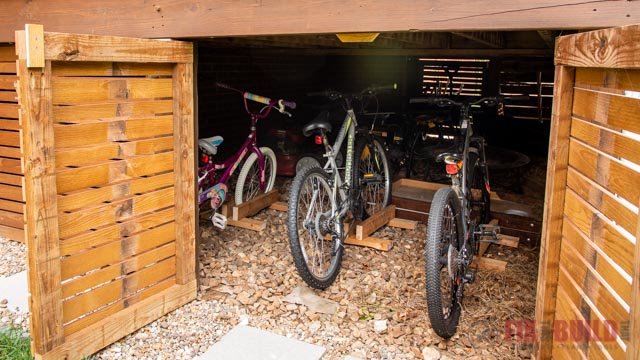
<point x="290" y="75"/>
<point x="284" y="75"/>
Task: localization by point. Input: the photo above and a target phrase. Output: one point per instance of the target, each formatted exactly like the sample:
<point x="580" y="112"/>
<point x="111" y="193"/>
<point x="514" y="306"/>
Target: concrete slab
<point x="248" y="343"/>
<point x="15" y="289"/>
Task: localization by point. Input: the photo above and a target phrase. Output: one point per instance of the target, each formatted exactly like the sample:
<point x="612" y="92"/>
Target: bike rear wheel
<point x="372" y="177"/>
<point x="316" y="254"/>
<point x="248" y="185"/>
<point x="444" y="276"/>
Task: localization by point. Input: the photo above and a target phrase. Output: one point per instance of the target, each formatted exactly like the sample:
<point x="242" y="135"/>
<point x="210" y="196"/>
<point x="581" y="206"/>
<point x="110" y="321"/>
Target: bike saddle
<point x="210" y="144"/>
<point x="321" y="122"/>
<point x="449" y="157"/>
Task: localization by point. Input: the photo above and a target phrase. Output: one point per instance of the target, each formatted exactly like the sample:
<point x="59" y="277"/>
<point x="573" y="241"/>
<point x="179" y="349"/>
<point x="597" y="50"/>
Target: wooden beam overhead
<point x="187" y="19"/>
<point x="493" y="39"/>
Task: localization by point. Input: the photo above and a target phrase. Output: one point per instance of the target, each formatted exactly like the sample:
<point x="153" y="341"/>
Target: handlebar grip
<point x="393" y="86"/>
<point x="257" y="98"/>
<point x="289" y="104"/>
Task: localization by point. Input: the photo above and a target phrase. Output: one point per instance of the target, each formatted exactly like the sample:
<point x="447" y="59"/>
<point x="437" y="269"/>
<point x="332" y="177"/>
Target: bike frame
<point x="460" y="183"/>
<point x="231" y="164"/>
<point x="208" y="170"/>
<point x="348" y="131"/>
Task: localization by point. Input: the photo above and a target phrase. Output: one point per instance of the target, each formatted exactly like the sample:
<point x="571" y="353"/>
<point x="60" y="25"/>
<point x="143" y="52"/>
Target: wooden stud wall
<point x="11" y="198"/>
<point x="590" y="262"/>
<point x="108" y="142"/>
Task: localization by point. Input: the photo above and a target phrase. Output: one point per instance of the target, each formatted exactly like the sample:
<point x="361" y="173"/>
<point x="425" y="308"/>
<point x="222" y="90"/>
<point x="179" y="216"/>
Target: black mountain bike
<point x="321" y="201"/>
<point x="458" y="216"/>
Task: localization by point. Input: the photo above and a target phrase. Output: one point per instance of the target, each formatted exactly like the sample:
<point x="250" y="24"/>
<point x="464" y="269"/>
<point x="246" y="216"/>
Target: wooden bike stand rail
<point x="364" y="229"/>
<point x="238" y="215"/>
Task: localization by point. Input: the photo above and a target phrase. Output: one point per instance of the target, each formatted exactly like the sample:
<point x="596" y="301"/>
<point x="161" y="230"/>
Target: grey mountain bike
<point x="321" y="201"/>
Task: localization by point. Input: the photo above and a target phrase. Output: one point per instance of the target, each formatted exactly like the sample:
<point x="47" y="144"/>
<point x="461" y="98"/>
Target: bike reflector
<point x="205" y="158"/>
<point x="318" y="140"/>
<point x="452" y="169"/>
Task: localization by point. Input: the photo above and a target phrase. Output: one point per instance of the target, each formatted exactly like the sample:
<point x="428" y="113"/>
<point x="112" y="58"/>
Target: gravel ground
<point x="12" y="261"/>
<point x="245" y="277"/>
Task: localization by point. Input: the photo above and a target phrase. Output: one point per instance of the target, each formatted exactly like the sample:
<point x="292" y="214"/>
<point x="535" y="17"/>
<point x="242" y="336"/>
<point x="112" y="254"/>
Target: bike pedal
<point x="488" y="233"/>
<point x="218" y="220"/>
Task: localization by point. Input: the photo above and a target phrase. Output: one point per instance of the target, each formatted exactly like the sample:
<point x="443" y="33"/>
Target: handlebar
<point x="489" y="100"/>
<point x="370" y="91"/>
<point x="261" y="99"/>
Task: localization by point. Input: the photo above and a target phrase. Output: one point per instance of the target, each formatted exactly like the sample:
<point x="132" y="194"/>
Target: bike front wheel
<point x="444" y="277"/>
<point x="316" y="253"/>
<point x="248" y="185"/>
<point x="372" y="177"/>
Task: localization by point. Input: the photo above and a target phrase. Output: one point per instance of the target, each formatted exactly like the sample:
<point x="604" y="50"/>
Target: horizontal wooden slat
<point x="117" y="289"/>
<point x="606" y="171"/>
<point x="121" y="150"/>
<point x="7" y="67"/>
<point x="616" y="112"/>
<point x="64" y="68"/>
<point x="11" y="192"/>
<point x="89" y="197"/>
<point x="68" y="90"/>
<point x="610" y="142"/>
<point x="9" y="111"/>
<point x="115" y="232"/>
<point x="12" y="219"/>
<point x="8" y="53"/>
<point x="572" y="344"/>
<point x="602" y="200"/>
<point x="601" y="231"/>
<point x="12" y="233"/>
<point x="11" y="179"/>
<point x="116" y="49"/>
<point x="9" y="138"/>
<point x="7" y="82"/>
<point x="10" y="152"/>
<point x="593" y="288"/>
<point x="8" y="95"/>
<point x="12" y="166"/>
<point x="95" y="217"/>
<point x="111" y="111"/>
<point x="116" y="309"/>
<point x="99" y="133"/>
<point x="96" y="258"/>
<point x="115" y="171"/>
<point x="9" y="124"/>
<point x="13" y="206"/>
<point x="132" y="246"/>
<point x="609" y="80"/>
<point x="600" y="261"/>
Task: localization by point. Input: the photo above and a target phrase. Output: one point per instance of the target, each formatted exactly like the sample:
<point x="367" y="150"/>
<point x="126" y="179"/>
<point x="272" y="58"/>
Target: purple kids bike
<point x="258" y="173"/>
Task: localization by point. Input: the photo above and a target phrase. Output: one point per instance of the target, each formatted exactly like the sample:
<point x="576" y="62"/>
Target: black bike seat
<point x="454" y="156"/>
<point x="321" y="122"/>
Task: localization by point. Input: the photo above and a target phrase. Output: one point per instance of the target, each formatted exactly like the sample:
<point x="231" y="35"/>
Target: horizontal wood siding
<point x="117" y="220"/>
<point x="593" y="265"/>
<point x="11" y="175"/>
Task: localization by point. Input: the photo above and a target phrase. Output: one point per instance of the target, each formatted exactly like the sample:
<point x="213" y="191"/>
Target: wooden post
<point x="633" y="345"/>
<point x="41" y="210"/>
<point x="553" y="210"/>
<point x="184" y="169"/>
